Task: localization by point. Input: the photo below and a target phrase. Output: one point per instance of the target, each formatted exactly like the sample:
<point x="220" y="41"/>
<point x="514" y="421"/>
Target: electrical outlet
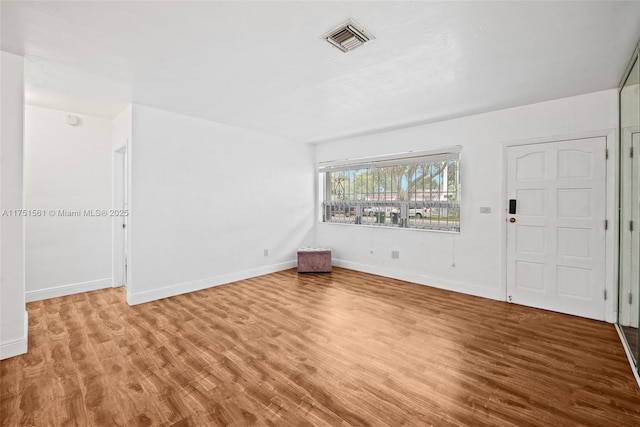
<point x="395" y="254"/>
<point x="266" y="252"/>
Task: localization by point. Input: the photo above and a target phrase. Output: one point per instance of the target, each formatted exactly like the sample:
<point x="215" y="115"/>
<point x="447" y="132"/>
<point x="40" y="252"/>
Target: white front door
<point x="556" y="237"/>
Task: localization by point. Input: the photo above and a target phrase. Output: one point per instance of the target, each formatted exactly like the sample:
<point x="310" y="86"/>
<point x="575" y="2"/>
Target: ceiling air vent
<point x="348" y="36"/>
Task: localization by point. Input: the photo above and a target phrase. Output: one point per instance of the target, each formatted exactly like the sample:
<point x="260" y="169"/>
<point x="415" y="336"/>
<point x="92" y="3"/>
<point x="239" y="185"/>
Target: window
<point x="419" y="191"/>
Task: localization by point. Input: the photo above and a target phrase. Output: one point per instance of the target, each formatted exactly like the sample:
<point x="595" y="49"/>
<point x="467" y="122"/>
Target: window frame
<point x="397" y="211"/>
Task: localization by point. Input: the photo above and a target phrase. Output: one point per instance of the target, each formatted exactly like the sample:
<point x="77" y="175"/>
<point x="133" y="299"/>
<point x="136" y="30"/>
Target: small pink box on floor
<point x="314" y="260"/>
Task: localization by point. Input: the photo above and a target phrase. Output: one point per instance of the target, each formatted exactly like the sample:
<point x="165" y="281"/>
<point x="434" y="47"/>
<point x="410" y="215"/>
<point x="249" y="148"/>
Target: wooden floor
<point x="345" y="349"/>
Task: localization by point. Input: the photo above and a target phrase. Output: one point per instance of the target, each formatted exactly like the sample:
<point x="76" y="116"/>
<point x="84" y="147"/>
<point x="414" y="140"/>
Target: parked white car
<point x="419" y="212"/>
<point x="413" y="212"/>
<point x="371" y="210"/>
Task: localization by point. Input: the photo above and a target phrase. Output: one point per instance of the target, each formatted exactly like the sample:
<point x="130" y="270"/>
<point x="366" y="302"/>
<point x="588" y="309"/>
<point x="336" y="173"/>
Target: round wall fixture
<point x="72" y="120"/>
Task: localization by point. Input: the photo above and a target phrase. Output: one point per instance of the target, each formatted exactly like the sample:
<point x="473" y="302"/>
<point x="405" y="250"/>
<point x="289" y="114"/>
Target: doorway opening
<point x="121" y="212"/>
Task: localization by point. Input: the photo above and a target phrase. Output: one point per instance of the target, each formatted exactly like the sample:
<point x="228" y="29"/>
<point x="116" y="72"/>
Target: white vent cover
<point x="348" y="36"/>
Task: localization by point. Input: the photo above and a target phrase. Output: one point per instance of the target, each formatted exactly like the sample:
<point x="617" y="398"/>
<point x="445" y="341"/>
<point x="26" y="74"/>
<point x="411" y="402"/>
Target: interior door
<point x="556" y="235"/>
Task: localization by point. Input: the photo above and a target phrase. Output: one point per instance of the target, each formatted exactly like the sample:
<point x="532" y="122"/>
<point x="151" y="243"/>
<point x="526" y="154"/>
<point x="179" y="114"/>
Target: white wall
<point x="428" y="257"/>
<point x="67" y="168"/>
<point x="207" y="199"/>
<point x="13" y="316"/>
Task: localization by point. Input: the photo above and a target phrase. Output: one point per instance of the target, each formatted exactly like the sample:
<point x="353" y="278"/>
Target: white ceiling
<point x="262" y="66"/>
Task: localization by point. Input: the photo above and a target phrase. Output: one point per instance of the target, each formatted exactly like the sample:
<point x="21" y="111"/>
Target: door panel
<point x="556" y="244"/>
<point x="531" y="202"/>
<point x="530" y="275"/>
<point x="574" y="164"/>
<point x="531" y="166"/>
<point x="574" y="242"/>
<point x="574" y="203"/>
<point x="530" y="239"/>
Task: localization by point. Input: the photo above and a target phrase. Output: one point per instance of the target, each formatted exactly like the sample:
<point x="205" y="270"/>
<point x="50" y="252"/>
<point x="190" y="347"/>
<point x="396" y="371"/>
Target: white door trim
<point x="612" y="188"/>
<point x="118" y="240"/>
<point x="625" y="215"/>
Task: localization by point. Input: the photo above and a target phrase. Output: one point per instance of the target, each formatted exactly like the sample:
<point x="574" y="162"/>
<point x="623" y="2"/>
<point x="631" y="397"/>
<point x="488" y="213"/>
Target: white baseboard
<point x="18" y="346"/>
<point x="628" y="353"/>
<point x="64" y="290"/>
<point x="183" y="288"/>
<point x="465" y="288"/>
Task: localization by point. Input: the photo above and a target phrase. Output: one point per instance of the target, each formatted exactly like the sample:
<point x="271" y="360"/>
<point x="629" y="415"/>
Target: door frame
<point x="630" y="132"/>
<point x="120" y="180"/>
<point x="611" y="208"/>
